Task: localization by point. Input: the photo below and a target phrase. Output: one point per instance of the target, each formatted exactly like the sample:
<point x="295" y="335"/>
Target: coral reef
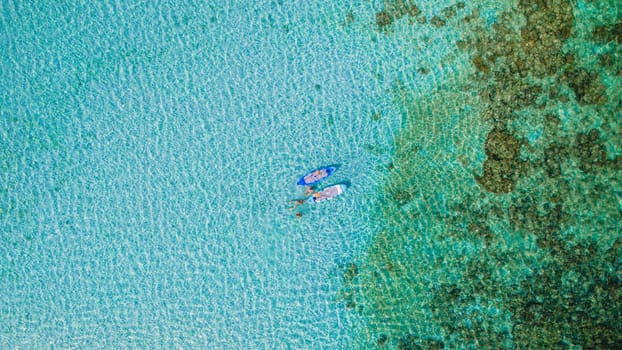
<point x="575" y="297"/>
<point x="502" y="167"/>
<point x="531" y="247"/>
<point x="587" y="86"/>
<point x="395" y="10"/>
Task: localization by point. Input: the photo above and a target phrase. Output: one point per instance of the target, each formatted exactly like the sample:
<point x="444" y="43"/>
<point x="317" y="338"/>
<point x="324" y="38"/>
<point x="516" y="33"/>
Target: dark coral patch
<point x="501" y="145"/>
<point x="499" y="176"/>
<point x="480" y="64"/>
<point x="449" y="12"/>
<point x="383" y="19"/>
<point x="437" y="21"/>
<point x="590" y="151"/>
<point x="587" y="86"/>
<point x="554" y="155"/>
<point x="395" y="10"/>
<point x="502" y="167"/>
<point x="606" y="34"/>
<point x="549" y="24"/>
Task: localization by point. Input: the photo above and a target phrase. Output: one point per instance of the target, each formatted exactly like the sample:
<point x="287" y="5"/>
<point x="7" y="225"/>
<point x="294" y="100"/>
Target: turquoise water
<point x="149" y="156"/>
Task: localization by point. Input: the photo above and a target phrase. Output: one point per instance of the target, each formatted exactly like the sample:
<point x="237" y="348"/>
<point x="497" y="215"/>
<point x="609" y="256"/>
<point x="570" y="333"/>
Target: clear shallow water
<point x="149" y="156"/>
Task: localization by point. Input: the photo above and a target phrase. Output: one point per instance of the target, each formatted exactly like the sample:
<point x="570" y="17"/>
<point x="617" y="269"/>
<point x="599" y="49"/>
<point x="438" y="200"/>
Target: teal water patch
<point x="149" y="157"/>
<point x="499" y="227"/>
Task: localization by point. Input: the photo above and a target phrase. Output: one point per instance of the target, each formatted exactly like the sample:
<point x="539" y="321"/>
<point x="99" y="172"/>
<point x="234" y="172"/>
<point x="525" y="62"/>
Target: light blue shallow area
<point x="148" y="156"/>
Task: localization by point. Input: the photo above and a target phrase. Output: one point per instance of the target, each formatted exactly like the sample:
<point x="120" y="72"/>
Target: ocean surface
<point x="149" y="154"/>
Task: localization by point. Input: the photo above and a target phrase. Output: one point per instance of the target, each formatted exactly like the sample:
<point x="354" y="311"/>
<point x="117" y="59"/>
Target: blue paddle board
<point x="316" y="176"/>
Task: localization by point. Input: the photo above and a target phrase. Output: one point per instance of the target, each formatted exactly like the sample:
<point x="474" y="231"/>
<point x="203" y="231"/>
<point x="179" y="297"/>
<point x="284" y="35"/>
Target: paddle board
<point x="316" y="176"/>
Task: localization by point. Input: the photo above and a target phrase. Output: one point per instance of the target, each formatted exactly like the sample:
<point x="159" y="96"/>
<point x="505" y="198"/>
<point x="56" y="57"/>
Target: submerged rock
<point x="502" y="167"/>
<point x="501" y="145"/>
<point x="590" y="151"/>
<point x="587" y="86"/>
